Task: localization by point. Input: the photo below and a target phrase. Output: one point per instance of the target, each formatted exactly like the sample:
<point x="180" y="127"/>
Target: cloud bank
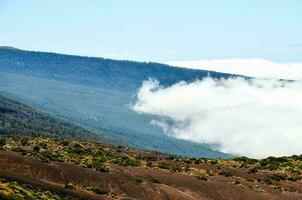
<point x="258" y="68"/>
<point x="255" y="118"/>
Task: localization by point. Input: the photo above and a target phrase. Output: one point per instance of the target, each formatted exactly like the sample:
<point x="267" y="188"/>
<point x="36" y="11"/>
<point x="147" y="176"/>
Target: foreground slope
<point x="97" y="92"/>
<point x="82" y="170"/>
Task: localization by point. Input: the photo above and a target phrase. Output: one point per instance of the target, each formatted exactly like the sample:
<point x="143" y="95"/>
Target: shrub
<point x="268" y="181"/>
<point x="164" y="165"/>
<point x="214" y="162"/>
<point x="24" y="141"/>
<point x="36" y="148"/>
<point x="278" y="187"/>
<point x="197" y="162"/>
<point x="253" y="170"/>
<point x="202" y="177"/>
<point x="139" y="180"/>
<point x="245" y="160"/>
<point x="126" y="161"/>
<point x="153" y="180"/>
<point x="51" y="156"/>
<point x="279" y="176"/>
<point x="296" y="157"/>
<point x="69" y="186"/>
<point x="225" y="173"/>
<point x="19" y="149"/>
<point x="102" y="168"/>
<point x="149" y="164"/>
<point x="2" y="143"/>
<point x="100" y="191"/>
<point x="293" y="178"/>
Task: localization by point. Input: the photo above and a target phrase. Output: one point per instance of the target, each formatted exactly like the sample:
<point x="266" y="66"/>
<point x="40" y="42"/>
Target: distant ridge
<point x="9" y="47"/>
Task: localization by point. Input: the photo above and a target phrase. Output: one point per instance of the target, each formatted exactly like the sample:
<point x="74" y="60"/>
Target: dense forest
<point x="19" y="119"/>
<point x="116" y="74"/>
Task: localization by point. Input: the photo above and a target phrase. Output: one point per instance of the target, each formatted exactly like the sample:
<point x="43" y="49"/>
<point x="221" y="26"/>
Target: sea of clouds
<point x="255" y="67"/>
<point x="255" y="117"/>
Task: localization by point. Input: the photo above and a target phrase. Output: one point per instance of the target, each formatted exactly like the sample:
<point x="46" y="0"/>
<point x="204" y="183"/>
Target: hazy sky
<point x="156" y="30"/>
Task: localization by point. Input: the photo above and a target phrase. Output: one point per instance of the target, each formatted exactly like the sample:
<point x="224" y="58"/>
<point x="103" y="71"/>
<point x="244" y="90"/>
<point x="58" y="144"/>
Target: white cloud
<point x="259" y="68"/>
<point x="255" y="118"/>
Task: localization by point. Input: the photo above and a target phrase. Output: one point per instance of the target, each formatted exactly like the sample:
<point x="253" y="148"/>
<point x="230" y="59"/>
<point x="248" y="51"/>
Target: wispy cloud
<point x="259" y="68"/>
<point x="256" y="118"/>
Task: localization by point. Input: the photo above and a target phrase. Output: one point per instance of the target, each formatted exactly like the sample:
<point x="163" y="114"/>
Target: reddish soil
<point x="122" y="181"/>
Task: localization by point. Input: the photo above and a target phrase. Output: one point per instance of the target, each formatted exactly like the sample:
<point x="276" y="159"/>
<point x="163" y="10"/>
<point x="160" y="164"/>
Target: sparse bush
<point x="139" y="180"/>
<point x="214" y="162"/>
<point x="19" y="149"/>
<point x="225" y="173"/>
<point x="245" y="160"/>
<point x="153" y="180"/>
<point x="102" y="168"/>
<point x="268" y="181"/>
<point x="36" y="148"/>
<point x="149" y="164"/>
<point x="197" y="162"/>
<point x="51" y="156"/>
<point x="100" y="191"/>
<point x="253" y="170"/>
<point x="202" y="177"/>
<point x="164" y="165"/>
<point x="2" y="143"/>
<point x="278" y="187"/>
<point x="279" y="176"/>
<point x="24" y="141"/>
<point x="69" y="186"/>
<point x="293" y="178"/>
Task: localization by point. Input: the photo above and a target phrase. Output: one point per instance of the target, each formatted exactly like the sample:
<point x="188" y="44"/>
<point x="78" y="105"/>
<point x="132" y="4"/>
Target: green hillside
<point x="19" y="119"/>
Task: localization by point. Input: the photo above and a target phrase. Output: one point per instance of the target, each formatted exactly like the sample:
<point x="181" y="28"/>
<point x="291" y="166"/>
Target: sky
<point x="156" y="30"/>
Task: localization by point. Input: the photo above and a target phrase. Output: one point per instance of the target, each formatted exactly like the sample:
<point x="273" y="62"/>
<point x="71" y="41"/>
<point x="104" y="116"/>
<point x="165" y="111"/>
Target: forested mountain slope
<point x="17" y="119"/>
<point x="97" y="92"/>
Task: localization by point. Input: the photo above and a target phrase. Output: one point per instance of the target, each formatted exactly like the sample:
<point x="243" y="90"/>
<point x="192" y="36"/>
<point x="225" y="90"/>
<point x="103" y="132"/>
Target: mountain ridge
<point x="96" y="92"/>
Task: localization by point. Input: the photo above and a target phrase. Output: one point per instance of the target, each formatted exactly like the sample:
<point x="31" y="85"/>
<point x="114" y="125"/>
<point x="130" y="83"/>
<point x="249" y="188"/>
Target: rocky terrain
<point x="51" y="168"/>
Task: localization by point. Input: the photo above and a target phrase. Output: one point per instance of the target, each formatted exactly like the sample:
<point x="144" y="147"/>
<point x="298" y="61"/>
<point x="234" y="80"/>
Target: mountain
<point x="97" y="93"/>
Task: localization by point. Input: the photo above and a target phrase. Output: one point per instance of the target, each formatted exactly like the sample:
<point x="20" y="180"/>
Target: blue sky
<point x="156" y="30"/>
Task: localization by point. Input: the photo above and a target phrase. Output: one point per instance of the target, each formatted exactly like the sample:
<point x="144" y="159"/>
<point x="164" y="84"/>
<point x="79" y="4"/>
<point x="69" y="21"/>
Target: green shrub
<point x="36" y="148"/>
<point x="51" y="156"/>
<point x="164" y="165"/>
<point x="202" y="177"/>
<point x="69" y="186"/>
<point x="149" y="164"/>
<point x="268" y="181"/>
<point x="293" y="178"/>
<point x="225" y="173"/>
<point x="100" y="191"/>
<point x="253" y="170"/>
<point x="2" y="143"/>
<point x="197" y="162"/>
<point x="245" y="160"/>
<point x="139" y="180"/>
<point x="279" y="176"/>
